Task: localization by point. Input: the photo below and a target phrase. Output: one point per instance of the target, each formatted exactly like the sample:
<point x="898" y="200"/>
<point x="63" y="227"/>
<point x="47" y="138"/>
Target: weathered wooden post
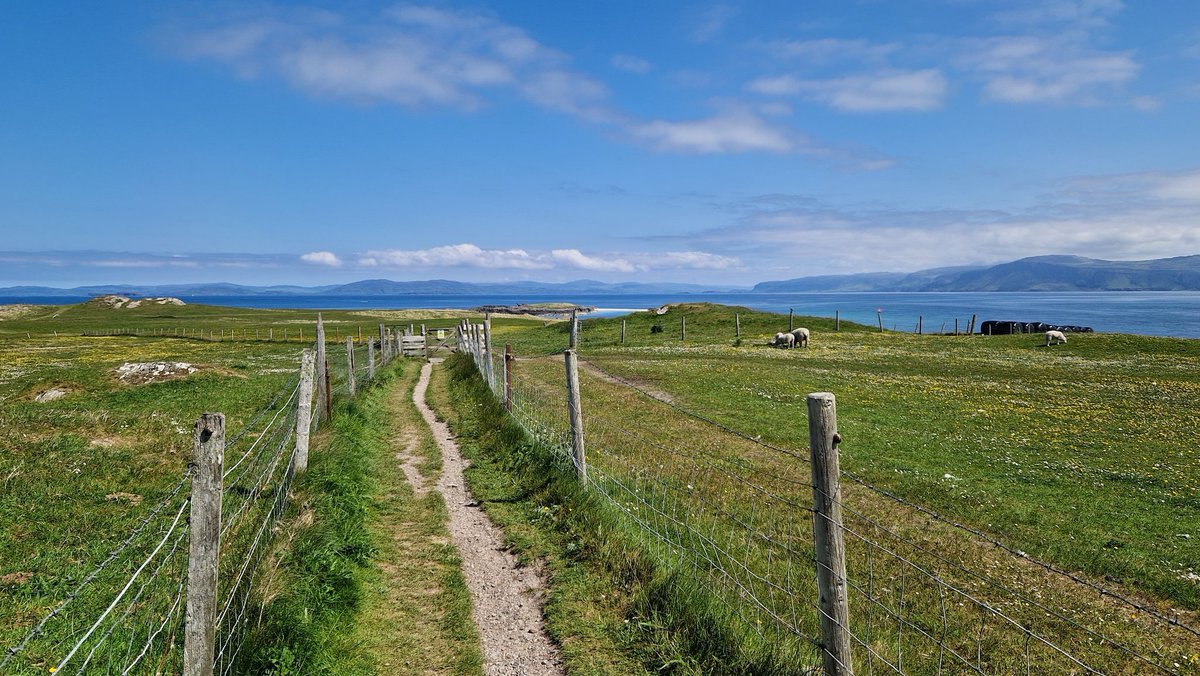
<point x="622" y="331"/>
<point x="971" y="326"/>
<point x="508" y="360"/>
<point x="683" y="328"/>
<point x="351" y="386"/>
<point x="423" y="331"/>
<point x="879" y="316"/>
<point x="920" y="325"/>
<point x="823" y="440"/>
<point x="576" y="415"/>
<point x="322" y="372"/>
<point x="956" y="326"/>
<point x="573" y="338"/>
<point x="382" y="344"/>
<point x="791" y="318"/>
<point x="204" y="546"/>
<point x="489" y="368"/>
<point x="370" y="358"/>
<point x="837" y="320"/>
<point x="304" y="410"/>
<point x="737" y="325"/>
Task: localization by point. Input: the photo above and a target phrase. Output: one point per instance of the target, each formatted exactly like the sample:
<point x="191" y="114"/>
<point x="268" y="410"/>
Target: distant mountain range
<point x="371" y="287"/>
<point x="1039" y="273"/>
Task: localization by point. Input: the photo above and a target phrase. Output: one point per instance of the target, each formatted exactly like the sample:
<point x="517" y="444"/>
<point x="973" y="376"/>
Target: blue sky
<point x="716" y="143"/>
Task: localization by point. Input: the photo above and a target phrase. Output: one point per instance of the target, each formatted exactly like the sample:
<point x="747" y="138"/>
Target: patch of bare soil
<point x="603" y="375"/>
<point x="131" y="498"/>
<point x="15" y="579"/>
<point x="506" y="598"/>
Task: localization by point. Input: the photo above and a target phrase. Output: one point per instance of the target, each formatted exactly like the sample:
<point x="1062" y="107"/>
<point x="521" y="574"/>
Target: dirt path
<point x="507" y="606"/>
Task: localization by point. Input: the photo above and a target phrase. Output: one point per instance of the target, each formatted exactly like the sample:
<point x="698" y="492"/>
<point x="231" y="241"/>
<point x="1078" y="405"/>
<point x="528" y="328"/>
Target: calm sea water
<point x="1157" y="313"/>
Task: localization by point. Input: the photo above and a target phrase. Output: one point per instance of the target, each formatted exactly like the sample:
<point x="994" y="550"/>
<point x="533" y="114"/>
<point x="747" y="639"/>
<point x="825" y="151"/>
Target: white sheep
<point x="801" y="336"/>
<point x="784" y="340"/>
<point x="1055" y="336"/>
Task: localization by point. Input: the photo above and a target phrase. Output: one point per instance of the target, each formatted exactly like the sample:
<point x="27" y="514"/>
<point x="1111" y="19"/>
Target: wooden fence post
<point x="304" y="410"/>
<point x="489" y="368"/>
<point x="837" y="320"/>
<point x="576" y="415"/>
<point x="956" y="326"/>
<point x="828" y="535"/>
<point x="683" y="328"/>
<point x="508" y="360"/>
<point x="204" y="546"/>
<point x="573" y="337"/>
<point x="971" y="326"/>
<point x="879" y="316"/>
<point x="370" y="358"/>
<point x="737" y="325"/>
<point x="622" y="331"/>
<point x="382" y="344"/>
<point x="351" y="385"/>
<point x="322" y="371"/>
<point x="920" y="325"/>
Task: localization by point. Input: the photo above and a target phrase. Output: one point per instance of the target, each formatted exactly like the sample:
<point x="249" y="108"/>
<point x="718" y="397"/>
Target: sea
<point x="1153" y="313"/>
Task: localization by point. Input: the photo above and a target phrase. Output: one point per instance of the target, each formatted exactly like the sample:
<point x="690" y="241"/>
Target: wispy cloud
<point x="865" y="92"/>
<point x="735" y="131"/>
<point x="631" y="64"/>
<point x="472" y="256"/>
<point x="1032" y="69"/>
<point x="421" y="57"/>
<point x="711" y="22"/>
<point x="1129" y="216"/>
<point x="822" y="51"/>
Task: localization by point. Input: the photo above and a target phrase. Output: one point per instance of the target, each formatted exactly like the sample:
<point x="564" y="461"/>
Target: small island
<point x="544" y="310"/>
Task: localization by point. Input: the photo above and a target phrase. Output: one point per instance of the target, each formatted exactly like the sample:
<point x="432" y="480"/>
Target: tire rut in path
<point x="506" y="599"/>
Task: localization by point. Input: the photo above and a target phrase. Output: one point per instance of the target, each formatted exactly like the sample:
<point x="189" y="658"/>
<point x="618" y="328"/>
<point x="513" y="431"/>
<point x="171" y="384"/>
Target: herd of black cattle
<point x="1005" y="328"/>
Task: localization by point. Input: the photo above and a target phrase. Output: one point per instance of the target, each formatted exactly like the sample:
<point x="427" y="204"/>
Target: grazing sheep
<point x="1055" y="336"/>
<point x="784" y="340"/>
<point x="801" y="336"/>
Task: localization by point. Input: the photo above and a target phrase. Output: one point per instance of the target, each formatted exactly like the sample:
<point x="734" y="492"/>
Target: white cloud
<point x="412" y="56"/>
<point x="576" y="259"/>
<point x="322" y="258"/>
<point x="1185" y="186"/>
<point x="735" y="131"/>
<point x="631" y="64"/>
<point x="1122" y="217"/>
<point x="868" y="92"/>
<point x="711" y="22"/>
<point x="456" y="255"/>
<point x="1032" y="69"/>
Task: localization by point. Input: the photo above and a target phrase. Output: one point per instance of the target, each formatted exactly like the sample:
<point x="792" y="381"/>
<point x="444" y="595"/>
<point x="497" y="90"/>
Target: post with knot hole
<point x="823" y="440"/>
<point x="576" y="415"/>
<point x="200" y="624"/>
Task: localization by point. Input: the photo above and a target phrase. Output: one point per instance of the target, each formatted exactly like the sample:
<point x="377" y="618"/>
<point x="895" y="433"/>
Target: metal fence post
<point x="204" y="546"/>
<point x="576" y="415"/>
<point x="832" y="601"/>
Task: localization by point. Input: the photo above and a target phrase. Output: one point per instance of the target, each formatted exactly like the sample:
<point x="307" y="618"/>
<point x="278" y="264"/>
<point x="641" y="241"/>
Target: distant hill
<point x="369" y="287"/>
<point x="1037" y="273"/>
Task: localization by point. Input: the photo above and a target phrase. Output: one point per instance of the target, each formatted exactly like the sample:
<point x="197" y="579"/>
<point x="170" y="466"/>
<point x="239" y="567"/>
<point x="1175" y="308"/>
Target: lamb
<point x="1055" y="336"/>
<point x="801" y="336"/>
<point x="784" y="340"/>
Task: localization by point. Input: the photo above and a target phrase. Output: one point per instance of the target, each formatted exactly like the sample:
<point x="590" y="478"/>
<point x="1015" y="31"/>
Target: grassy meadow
<point x="1079" y="456"/>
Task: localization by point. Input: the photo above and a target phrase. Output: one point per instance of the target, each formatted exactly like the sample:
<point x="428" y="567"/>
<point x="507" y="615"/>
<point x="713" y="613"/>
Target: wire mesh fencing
<point x="923" y="592"/>
<point x="128" y="614"/>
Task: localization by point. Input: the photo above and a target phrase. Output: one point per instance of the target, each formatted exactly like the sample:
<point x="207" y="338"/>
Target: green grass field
<point x="1079" y="455"/>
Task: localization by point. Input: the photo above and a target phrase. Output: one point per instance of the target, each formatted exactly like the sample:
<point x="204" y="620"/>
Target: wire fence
<point x="127" y="615"/>
<point x="925" y="593"/>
